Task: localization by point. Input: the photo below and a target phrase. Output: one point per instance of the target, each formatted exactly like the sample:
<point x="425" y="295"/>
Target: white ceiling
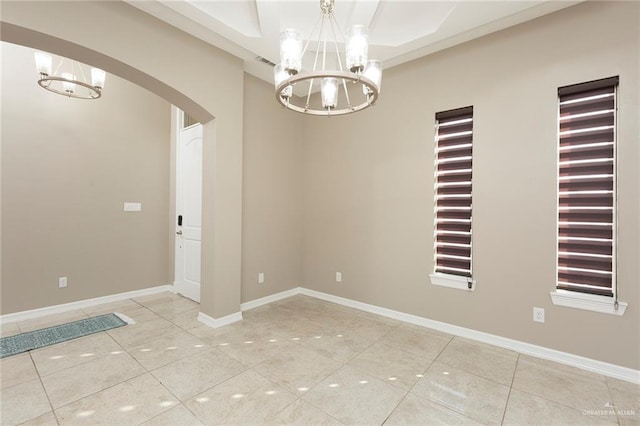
<point x="399" y="30"/>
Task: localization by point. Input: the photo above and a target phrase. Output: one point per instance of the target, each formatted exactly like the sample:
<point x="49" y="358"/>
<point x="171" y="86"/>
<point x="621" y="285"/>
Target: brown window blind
<point x="453" y="169"/>
<point x="586" y="187"/>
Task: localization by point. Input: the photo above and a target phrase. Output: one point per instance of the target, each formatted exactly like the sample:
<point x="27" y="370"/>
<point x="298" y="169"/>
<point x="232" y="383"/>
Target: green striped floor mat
<point x="23" y="342"/>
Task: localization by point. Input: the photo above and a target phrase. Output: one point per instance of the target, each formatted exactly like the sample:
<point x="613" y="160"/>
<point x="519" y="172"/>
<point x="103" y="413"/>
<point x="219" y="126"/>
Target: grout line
<point x="44" y="389"/>
<point x="506" y="405"/>
<point x="618" y="418"/>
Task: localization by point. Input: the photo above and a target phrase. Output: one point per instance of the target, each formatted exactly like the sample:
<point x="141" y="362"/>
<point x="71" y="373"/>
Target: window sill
<point x="452" y="281"/>
<point x="589" y="302"/>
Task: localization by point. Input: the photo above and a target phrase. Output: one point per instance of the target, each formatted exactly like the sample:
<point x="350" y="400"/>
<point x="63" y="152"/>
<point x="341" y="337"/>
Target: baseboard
<point x="65" y="307"/>
<point x="219" y="322"/>
<point x="269" y="299"/>
<point x="600" y="367"/>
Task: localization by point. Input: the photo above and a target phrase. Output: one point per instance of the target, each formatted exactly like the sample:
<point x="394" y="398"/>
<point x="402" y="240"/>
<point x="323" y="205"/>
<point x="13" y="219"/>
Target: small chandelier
<point x="360" y="73"/>
<point x="68" y="84"/>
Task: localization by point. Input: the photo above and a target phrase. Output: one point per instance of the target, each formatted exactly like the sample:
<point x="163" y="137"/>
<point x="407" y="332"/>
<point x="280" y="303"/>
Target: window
<point x="587" y="190"/>
<point x="453" y="172"/>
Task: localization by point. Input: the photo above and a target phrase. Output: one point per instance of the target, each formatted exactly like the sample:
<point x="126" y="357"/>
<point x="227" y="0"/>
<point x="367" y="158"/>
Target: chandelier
<point x="72" y="82"/>
<point x="359" y="78"/>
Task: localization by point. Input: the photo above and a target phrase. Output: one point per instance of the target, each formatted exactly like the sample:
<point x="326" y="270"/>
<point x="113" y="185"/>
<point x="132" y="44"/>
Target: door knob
<point x="179" y="232"/>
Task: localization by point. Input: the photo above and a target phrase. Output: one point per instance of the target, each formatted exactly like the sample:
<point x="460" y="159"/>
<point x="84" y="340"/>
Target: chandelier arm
<point x="58" y="67"/>
<point x="324" y="50"/>
<point x="84" y="78"/>
<point x="315" y="61"/>
<point x="334" y="24"/>
<point x="342" y="37"/>
<point x="346" y="92"/>
<point x="306" y="45"/>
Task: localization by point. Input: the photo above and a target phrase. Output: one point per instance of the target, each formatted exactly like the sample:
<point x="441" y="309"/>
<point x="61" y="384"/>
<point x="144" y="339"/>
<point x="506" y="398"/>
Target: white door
<point x="188" y="211"/>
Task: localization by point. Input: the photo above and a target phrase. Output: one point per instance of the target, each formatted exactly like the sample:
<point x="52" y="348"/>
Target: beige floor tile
<point x="16" y="369"/>
<point x="271" y="313"/>
<point x="527" y="409"/>
<point x="235" y="333"/>
<point x="51" y="320"/>
<point x="480" y="359"/>
<point x="298" y="330"/>
<point x="191" y="376"/>
<point x="326" y="315"/>
<point x="141" y="314"/>
<point x="626" y="400"/>
<point x="245" y="399"/>
<point x="339" y="347"/>
<point x="185" y="320"/>
<point x="353" y="397"/>
<point x="252" y="349"/>
<point x="303" y="414"/>
<point x="419" y="341"/>
<point x="560" y="384"/>
<point x="133" y="335"/>
<point x="167" y="349"/>
<point x="414" y="410"/>
<point x="170" y="309"/>
<point x="129" y="403"/>
<point x="48" y="419"/>
<point x="156" y="298"/>
<point x="297" y="369"/>
<point x="178" y="416"/>
<point x="390" y="364"/>
<point x="562" y="367"/>
<point x="386" y="320"/>
<point x="476" y="397"/>
<point x="73" y="352"/>
<point x="9" y="329"/>
<point x="122" y="306"/>
<point x="77" y="382"/>
<point x="358" y="326"/>
<point x="23" y="402"/>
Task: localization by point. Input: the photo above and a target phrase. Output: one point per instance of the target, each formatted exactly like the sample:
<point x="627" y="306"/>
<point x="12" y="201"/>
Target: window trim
<point x="452" y="281"/>
<point x="576" y="299"/>
<point x="442" y="279"/>
<point x="589" y="302"/>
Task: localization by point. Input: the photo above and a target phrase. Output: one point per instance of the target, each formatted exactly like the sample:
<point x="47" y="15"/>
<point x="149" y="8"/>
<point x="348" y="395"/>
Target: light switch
<point x="132" y="207"/>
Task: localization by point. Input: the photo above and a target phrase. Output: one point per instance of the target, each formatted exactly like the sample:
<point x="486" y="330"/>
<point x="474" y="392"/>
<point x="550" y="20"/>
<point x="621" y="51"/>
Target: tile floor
<point x="297" y="361"/>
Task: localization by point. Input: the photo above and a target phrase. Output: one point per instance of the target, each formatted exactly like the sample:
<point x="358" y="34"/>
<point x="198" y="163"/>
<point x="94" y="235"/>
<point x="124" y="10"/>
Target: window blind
<point x="586" y="187"/>
<point x="453" y="169"/>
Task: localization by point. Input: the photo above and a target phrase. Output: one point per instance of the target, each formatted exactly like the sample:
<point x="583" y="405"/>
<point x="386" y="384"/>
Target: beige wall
<point x="67" y="168"/>
<point x="182" y="69"/>
<point x="368" y="199"/>
<point x="271" y="194"/>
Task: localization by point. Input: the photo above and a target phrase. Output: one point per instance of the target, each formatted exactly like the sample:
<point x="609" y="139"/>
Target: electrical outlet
<point x="538" y="314"/>
<point x="338" y="277"/>
<point x="261" y="278"/>
<point x="62" y="282"/>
